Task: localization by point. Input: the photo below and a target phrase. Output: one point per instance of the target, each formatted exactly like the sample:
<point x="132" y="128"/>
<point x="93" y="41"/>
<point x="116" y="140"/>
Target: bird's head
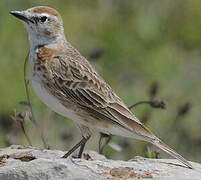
<point x="44" y="24"/>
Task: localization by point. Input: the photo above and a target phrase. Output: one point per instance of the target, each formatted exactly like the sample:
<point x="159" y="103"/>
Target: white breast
<point x="52" y="102"/>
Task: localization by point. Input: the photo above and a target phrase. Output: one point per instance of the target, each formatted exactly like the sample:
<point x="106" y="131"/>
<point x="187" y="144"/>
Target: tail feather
<point x="170" y="151"/>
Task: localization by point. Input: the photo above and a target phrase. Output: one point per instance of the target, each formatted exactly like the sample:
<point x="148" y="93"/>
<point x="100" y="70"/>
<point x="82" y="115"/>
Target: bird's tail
<point x="170" y="151"/>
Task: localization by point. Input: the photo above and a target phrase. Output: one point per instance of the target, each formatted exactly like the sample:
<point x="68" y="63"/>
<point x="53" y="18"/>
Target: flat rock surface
<point x="29" y="163"/>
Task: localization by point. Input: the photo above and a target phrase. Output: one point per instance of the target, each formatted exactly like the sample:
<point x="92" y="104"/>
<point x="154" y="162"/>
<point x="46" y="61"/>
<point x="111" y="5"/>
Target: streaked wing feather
<point x="93" y="94"/>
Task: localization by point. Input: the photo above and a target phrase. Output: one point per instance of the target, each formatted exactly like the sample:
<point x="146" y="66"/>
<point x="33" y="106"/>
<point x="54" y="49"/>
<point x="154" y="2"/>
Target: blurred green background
<point x="144" y="49"/>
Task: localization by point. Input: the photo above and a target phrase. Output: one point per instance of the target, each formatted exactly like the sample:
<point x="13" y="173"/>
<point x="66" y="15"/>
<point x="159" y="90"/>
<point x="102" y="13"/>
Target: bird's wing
<point x="83" y="85"/>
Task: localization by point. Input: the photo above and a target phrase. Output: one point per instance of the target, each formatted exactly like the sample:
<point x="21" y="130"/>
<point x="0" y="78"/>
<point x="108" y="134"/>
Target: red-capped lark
<point x="66" y="82"/>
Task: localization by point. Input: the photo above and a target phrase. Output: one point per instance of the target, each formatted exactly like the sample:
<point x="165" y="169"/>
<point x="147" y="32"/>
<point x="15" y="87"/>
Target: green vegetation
<point x="138" y="43"/>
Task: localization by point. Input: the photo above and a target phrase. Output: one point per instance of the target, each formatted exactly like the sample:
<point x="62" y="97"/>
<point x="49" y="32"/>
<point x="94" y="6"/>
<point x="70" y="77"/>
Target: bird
<point x="67" y="83"/>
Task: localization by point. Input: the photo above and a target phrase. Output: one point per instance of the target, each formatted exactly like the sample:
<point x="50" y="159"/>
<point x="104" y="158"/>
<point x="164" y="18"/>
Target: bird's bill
<point x="22" y="16"/>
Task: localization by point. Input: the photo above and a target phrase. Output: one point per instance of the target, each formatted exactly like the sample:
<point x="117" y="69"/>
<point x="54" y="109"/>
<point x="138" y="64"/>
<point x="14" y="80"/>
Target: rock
<point x="23" y="163"/>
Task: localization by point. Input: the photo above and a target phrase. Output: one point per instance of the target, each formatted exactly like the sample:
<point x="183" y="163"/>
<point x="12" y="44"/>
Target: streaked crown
<point x="45" y="10"/>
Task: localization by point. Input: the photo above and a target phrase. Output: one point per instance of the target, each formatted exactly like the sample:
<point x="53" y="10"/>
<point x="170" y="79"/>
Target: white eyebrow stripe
<point x="44" y="14"/>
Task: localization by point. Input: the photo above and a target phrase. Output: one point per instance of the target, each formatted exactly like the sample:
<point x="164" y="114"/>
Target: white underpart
<point x="54" y="104"/>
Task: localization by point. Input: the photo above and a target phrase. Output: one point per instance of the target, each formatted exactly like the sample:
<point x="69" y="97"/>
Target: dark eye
<point x="43" y="18"/>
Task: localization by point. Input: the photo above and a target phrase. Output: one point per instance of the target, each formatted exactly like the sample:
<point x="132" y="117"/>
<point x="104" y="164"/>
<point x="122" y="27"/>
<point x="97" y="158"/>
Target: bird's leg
<point x="74" y="148"/>
<point x="80" y="144"/>
<point x="102" y="146"/>
<point x="86" y="134"/>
